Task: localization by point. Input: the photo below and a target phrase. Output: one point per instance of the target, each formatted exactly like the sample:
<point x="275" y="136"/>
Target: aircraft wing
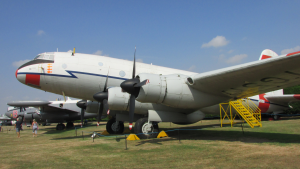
<point x="46" y="106"/>
<point x="251" y="78"/>
<point x="285" y="99"/>
<point x="28" y="103"/>
<point x="4" y="118"/>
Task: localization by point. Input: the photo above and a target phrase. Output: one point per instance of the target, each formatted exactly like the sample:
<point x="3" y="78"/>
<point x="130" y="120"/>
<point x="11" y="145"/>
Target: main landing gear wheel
<point x="145" y="130"/>
<point x="114" y="127"/>
<point x="70" y="124"/>
<point x="60" y="126"/>
<point x="276" y="117"/>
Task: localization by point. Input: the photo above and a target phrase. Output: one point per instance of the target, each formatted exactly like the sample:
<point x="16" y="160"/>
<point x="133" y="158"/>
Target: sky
<point x="191" y="35"/>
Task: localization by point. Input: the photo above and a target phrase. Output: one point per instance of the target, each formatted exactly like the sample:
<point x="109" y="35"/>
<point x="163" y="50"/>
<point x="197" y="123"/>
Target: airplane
<point x="4" y="120"/>
<point x="149" y="94"/>
<point x="48" y="112"/>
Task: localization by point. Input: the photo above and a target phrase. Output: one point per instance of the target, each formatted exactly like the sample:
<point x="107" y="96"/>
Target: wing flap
<point x="251" y="78"/>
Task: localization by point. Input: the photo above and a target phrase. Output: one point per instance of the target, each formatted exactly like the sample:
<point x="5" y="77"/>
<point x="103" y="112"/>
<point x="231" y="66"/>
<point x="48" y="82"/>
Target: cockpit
<point x="45" y="56"/>
<point x="41" y="58"/>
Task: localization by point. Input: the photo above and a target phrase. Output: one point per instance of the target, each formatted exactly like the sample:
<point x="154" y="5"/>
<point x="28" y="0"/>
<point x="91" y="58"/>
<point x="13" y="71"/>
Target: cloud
<point x="216" y="42"/>
<point x="40" y="32"/>
<point x="19" y="63"/>
<point x="286" y="51"/>
<point x="98" y="52"/>
<point x="230" y="51"/>
<point x="192" y="68"/>
<point x="236" y="59"/>
<point x="222" y="58"/>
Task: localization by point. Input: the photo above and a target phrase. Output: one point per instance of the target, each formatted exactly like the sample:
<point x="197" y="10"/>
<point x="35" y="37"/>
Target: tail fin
<point x="267" y="53"/>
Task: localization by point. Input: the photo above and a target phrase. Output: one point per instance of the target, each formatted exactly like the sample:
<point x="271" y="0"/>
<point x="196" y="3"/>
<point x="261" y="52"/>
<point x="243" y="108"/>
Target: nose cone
<point x="20" y="77"/>
<point x="8" y="114"/>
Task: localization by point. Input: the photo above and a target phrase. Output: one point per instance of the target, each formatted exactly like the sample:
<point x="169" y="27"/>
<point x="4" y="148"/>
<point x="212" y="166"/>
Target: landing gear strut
<point x="144" y="130"/>
<point x="60" y="126"/>
<point x="114" y="127"/>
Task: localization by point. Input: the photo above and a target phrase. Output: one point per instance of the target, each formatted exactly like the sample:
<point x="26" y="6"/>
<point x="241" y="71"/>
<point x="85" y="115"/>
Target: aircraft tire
<point x="276" y="117"/>
<point x="139" y="129"/>
<point x="59" y="127"/>
<point x="70" y="124"/>
<point x="111" y="126"/>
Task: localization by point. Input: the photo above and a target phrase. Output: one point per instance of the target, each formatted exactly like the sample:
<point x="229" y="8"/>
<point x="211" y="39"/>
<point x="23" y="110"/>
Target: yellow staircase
<point x="245" y="108"/>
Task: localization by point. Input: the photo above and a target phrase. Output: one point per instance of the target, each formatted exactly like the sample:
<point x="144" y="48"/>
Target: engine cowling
<point x="118" y="100"/>
<point x="170" y="90"/>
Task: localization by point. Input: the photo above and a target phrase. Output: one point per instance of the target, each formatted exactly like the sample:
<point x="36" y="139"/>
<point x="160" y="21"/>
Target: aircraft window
<point x="100" y="64"/>
<point x="122" y="73"/>
<point x="64" y="66"/>
<point x="45" y="56"/>
<point x="36" y="57"/>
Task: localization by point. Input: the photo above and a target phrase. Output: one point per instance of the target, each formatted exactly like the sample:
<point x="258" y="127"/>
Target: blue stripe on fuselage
<point x="71" y="73"/>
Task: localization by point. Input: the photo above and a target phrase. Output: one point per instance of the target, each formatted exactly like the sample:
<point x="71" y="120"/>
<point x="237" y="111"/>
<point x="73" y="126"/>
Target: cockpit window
<point x="45" y="56"/>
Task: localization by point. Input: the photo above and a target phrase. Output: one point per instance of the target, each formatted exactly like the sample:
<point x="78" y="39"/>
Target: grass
<point x="275" y="145"/>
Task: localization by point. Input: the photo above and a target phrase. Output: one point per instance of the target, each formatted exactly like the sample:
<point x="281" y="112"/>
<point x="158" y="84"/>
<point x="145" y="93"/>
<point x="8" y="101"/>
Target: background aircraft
<point x="48" y="112"/>
<point x="156" y="94"/>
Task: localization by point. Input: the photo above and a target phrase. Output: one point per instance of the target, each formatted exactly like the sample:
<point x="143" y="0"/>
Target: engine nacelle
<point x="118" y="100"/>
<point x="92" y="107"/>
<point x="170" y="90"/>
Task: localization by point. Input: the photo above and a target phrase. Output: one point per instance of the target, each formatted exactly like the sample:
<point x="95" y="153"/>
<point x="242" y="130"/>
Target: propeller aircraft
<point x="148" y="94"/>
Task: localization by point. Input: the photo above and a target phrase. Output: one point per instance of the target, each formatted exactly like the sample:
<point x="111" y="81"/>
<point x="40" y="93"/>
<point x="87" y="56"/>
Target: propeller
<point x="132" y="86"/>
<point x="82" y="104"/>
<point x="102" y="97"/>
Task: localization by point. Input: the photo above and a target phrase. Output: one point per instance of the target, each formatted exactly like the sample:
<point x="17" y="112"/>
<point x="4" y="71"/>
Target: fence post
<point x="242" y="127"/>
<point x="82" y="136"/>
<point x="125" y="142"/>
<point x="178" y="135"/>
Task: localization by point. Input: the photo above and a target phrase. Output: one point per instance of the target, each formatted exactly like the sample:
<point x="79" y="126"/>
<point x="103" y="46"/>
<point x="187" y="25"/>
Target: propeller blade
<point x="142" y="83"/>
<point x="105" y="86"/>
<point x="133" y="71"/>
<point x="100" y="112"/>
<point x="82" y="116"/>
<point x="131" y="110"/>
<point x="82" y="104"/>
<point x="105" y="105"/>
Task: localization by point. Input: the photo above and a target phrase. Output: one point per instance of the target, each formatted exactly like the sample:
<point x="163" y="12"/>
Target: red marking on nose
<point x="16" y="73"/>
<point x="32" y="79"/>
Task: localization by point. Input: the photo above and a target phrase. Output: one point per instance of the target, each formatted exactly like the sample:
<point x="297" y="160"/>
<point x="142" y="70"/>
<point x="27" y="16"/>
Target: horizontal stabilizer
<point x="284" y="98"/>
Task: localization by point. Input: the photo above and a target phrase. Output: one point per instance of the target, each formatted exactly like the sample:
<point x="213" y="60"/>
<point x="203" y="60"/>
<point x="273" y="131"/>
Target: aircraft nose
<point x="20" y="77"/>
<point x="8" y="114"/>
